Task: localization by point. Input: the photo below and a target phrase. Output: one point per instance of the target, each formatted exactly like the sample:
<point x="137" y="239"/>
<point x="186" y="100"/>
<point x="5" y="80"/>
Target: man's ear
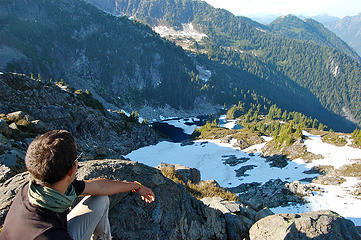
<point x="71" y="171"/>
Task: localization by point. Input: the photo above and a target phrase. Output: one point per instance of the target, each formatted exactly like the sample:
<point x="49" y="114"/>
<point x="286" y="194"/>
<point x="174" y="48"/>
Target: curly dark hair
<point x="50" y="156"/>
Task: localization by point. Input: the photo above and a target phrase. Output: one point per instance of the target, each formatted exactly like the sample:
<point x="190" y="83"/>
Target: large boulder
<point x="321" y="225"/>
<point x="16" y="116"/>
<point x="174" y="215"/>
<point x="238" y="217"/>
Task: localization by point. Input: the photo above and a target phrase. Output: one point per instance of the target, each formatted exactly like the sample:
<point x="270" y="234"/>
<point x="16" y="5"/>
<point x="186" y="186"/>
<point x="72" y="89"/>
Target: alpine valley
<point x="267" y="117"/>
<point x="298" y="65"/>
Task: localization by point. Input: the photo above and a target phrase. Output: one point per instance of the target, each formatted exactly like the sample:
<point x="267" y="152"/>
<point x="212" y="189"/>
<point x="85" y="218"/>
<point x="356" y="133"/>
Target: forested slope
<point x="321" y="68"/>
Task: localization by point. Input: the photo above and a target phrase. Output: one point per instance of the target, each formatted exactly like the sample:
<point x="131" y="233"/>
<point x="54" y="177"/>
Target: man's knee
<point x="98" y="202"/>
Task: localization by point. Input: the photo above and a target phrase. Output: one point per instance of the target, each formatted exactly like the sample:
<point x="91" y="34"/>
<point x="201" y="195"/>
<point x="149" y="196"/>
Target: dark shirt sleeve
<point x="54" y="234"/>
<point x="79" y="186"/>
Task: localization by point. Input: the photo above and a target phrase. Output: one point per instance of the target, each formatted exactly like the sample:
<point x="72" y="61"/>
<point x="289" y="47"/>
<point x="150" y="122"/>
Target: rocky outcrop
<point x="174" y="214"/>
<point x="302" y="189"/>
<point x="184" y="173"/>
<point x="273" y="193"/>
<point x="46" y="106"/>
<point x="239" y="217"/>
<point x="296" y="150"/>
<point x="320" y="225"/>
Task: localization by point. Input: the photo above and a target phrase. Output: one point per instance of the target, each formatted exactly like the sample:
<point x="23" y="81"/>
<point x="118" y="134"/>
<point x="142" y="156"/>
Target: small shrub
<point x="88" y="99"/>
<point x="356" y="136"/>
<point x="211" y="130"/>
<point x="353" y="170"/>
<point x="200" y="190"/>
<point x="334" y="139"/>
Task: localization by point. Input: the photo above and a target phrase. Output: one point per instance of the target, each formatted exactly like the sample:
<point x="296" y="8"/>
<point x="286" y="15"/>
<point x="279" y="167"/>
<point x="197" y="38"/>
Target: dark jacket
<point x="25" y="221"/>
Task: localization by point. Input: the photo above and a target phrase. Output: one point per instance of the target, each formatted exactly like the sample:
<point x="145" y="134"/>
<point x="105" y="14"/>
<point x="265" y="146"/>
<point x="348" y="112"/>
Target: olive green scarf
<point x="51" y="199"/>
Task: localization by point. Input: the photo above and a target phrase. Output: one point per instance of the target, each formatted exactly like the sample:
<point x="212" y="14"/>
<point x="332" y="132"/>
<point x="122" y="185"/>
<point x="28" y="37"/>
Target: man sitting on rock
<point x="40" y="209"/>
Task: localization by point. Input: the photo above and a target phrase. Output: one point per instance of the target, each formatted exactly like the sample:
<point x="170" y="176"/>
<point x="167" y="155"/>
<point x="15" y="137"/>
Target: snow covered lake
<point x="209" y="156"/>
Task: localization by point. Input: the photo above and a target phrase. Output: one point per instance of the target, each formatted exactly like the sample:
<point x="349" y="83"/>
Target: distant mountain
<point x="311" y="30"/>
<point x="255" y="57"/>
<point x="325" y="18"/>
<point x="349" y="29"/>
<point x="264" y="19"/>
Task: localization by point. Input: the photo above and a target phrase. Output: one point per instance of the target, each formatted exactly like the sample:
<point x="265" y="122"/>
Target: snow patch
<point x="1" y="73"/>
<point x="204" y="74"/>
<point x="208" y="156"/>
<point x="261" y="30"/>
<point x="333" y="155"/>
<point x="187" y="126"/>
<point x="337" y="198"/>
<point x="187" y="32"/>
<point x="230" y="124"/>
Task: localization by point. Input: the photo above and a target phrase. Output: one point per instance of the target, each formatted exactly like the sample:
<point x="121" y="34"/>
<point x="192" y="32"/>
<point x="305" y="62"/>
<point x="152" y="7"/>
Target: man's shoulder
<point x="29" y="218"/>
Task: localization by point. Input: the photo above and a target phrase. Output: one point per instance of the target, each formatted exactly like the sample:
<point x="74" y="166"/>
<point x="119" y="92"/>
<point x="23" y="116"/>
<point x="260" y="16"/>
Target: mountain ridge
<point x="348" y="28"/>
<point x="309" y="29"/>
<point x="319" y="62"/>
<point x="107" y="54"/>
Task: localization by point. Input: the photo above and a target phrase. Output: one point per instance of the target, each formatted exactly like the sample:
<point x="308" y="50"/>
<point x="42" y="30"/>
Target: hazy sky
<point x="338" y="8"/>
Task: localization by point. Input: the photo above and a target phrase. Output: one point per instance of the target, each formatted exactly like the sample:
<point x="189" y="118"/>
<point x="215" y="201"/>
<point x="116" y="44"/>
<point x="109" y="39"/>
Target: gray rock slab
<point x="321" y="225"/>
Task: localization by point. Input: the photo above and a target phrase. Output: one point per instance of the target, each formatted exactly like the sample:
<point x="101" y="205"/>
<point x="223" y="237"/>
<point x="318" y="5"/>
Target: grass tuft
<point x="200" y="190"/>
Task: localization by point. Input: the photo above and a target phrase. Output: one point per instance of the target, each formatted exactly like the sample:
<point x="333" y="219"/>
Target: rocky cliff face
<point x="41" y="106"/>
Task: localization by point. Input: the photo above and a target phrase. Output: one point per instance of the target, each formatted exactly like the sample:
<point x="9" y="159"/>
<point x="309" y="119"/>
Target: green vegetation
<point x="310" y="30"/>
<point x="271" y="121"/>
<point x="88" y="99"/>
<point x="353" y="170"/>
<point x="356" y="136"/>
<point x="235" y="111"/>
<point x="268" y="120"/>
<point x="211" y="130"/>
<point x="200" y="190"/>
<point x="288" y="135"/>
<point x="299" y="65"/>
<point x="337" y="139"/>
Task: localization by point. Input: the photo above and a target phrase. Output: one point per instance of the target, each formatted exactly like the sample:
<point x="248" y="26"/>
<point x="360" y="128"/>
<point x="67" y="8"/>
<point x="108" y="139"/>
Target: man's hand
<point x="146" y="194"/>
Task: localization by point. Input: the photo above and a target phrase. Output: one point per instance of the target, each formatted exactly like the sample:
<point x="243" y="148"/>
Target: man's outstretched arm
<point x="102" y="186"/>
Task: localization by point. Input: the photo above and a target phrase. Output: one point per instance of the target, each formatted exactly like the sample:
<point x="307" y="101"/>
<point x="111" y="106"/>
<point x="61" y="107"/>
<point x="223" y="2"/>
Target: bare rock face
<point x="239" y="218"/>
<point x="302" y="189"/>
<point x="29" y="107"/>
<point x="322" y="225"/>
<point x="273" y="193"/>
<point x="174" y="215"/>
<point x="8" y="190"/>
